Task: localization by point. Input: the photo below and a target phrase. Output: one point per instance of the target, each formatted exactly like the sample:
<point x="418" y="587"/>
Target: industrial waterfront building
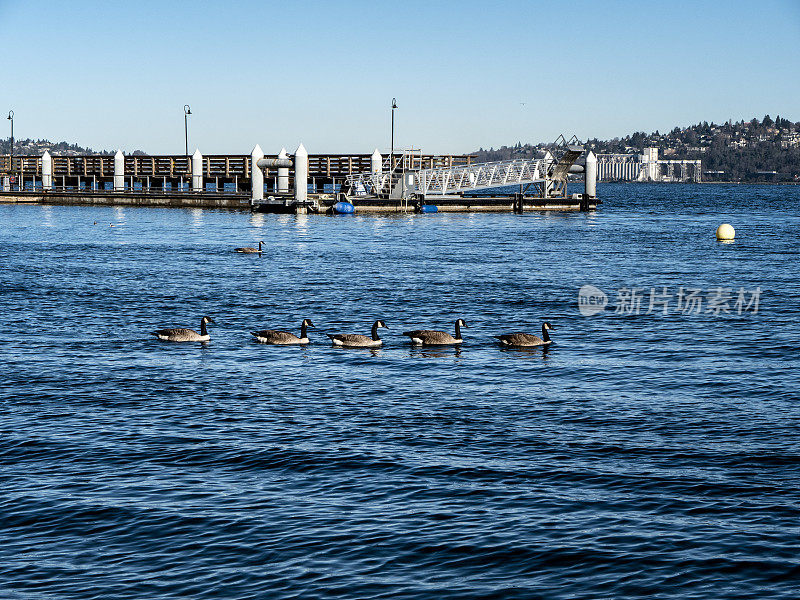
<point x="646" y="167"/>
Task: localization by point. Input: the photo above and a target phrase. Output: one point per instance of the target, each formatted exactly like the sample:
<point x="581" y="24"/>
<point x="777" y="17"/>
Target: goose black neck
<point x="458" y="330"/>
<point x="375" y="332"/>
<point x="545" y="334"/>
<point x="203" y="330"/>
<point x="303" y="331"/>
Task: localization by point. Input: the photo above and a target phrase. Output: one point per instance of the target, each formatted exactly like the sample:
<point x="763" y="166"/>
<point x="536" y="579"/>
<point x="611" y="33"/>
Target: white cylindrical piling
<point x="590" y="176"/>
<point x="256" y="174"/>
<point x="197" y="171"/>
<point x="119" y="171"/>
<point x="283" y="174"/>
<point x="376" y="161"/>
<point x="547" y="165"/>
<point x="301" y="174"/>
<point x="47" y="171"/>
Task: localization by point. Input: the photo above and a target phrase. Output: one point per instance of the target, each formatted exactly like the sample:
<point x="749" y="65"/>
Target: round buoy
<point x="344" y="208"/>
<point x="725" y="232"/>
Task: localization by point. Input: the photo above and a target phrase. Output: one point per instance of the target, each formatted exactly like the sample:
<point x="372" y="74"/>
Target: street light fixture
<point x="186" y="112"/>
<point x="11" y="166"/>
<point x="391" y="152"/>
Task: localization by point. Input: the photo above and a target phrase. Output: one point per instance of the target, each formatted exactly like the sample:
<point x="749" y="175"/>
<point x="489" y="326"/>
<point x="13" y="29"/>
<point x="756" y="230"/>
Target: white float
<point x="725" y="232"/>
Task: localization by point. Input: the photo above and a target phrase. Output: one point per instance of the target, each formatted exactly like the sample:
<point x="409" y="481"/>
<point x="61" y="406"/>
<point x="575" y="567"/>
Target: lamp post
<point x="186" y="112"/>
<point x="11" y="166"/>
<point x="391" y="152"/>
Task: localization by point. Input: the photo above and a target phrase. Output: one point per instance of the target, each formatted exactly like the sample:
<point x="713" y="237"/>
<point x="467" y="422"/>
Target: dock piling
<point x="301" y="175"/>
<point x="197" y="171"/>
<point x="256" y="175"/>
<point x="283" y="174"/>
<point x="589" y="181"/>
<point x="47" y="171"/>
<point x="119" y="171"/>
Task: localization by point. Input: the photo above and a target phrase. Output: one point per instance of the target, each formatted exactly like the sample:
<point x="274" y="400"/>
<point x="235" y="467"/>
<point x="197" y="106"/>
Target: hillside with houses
<point x="755" y="150"/>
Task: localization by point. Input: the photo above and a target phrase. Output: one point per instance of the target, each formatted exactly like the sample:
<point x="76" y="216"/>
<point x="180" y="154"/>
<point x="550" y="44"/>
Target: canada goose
<point x="185" y="335"/>
<point x="249" y="250"/>
<point x="527" y="339"/>
<point x="284" y="338"/>
<point x="428" y="337"/>
<point x="353" y="340"/>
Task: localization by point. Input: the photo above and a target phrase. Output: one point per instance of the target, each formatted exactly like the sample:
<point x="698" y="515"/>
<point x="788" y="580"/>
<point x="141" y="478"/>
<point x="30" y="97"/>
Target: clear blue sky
<point x="117" y="74"/>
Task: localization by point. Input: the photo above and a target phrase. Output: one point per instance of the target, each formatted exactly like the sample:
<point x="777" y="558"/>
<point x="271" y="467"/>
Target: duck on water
<point x="283" y="338"/>
<point x="527" y="339"/>
<point x="354" y="340"/>
<point x="249" y="250"/>
<point x="431" y="337"/>
<point x="181" y="334"/>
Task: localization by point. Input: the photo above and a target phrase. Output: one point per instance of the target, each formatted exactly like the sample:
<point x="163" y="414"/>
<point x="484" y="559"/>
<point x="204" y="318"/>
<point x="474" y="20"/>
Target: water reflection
<point x="197" y="217"/>
<point x="257" y="219"/>
<point x="301" y="224"/>
<point x="435" y="351"/>
<point x="47" y="216"/>
<point x="372" y="351"/>
<point x="529" y="353"/>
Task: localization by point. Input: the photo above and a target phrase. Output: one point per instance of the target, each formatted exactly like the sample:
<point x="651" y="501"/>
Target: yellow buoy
<point x="725" y="232"/>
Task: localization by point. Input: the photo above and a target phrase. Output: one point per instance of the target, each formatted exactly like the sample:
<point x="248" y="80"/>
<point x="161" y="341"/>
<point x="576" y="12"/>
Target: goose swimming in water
<point x="527" y="339"/>
<point x="353" y="340"/>
<point x="249" y="250"/>
<point x="429" y="337"/>
<point x="185" y="335"/>
<point x="284" y="338"/>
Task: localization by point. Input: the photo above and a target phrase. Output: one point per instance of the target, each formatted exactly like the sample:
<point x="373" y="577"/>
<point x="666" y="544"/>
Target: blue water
<point x="642" y="455"/>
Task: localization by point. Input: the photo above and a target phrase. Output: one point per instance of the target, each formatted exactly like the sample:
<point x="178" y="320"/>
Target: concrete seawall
<point x="177" y="200"/>
<point x="242" y="202"/>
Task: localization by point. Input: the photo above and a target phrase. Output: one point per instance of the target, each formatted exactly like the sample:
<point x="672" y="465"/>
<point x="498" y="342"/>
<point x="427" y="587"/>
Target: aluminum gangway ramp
<point x="445" y="181"/>
<point x="404" y="180"/>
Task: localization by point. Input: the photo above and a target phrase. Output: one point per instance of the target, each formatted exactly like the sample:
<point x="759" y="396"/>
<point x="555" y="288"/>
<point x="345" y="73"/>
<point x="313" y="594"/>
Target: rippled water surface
<point x="642" y="455"/>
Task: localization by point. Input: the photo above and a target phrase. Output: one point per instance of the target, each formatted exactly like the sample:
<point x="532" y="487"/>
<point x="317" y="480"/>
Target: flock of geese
<point x="420" y="337"/>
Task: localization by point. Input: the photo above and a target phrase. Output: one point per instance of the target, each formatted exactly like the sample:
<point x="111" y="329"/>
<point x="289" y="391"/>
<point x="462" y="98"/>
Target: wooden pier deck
<point x="166" y="181"/>
<point x="167" y="173"/>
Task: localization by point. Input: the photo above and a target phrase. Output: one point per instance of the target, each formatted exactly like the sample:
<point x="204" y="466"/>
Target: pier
<point x="298" y="182"/>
